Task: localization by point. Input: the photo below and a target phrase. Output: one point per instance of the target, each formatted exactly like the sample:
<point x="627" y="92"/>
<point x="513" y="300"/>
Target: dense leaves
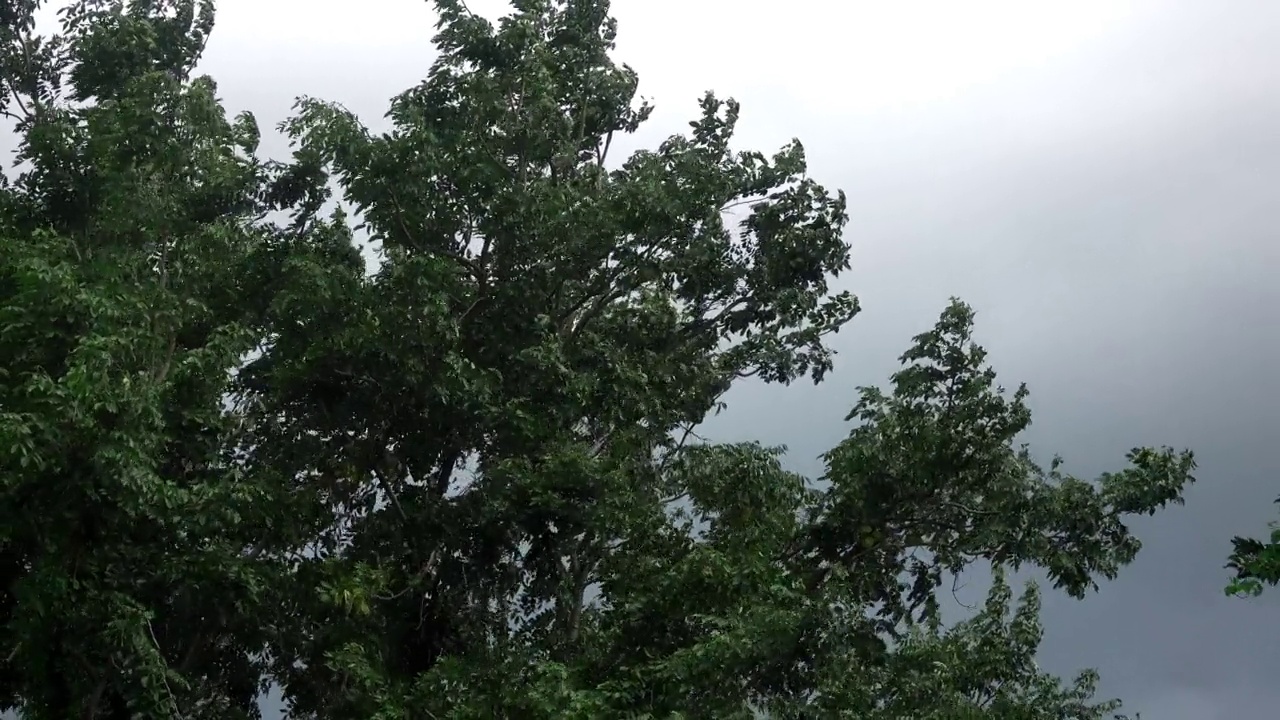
<point x="1254" y="563"/>
<point x="461" y="483"/>
<point x="132" y="279"/>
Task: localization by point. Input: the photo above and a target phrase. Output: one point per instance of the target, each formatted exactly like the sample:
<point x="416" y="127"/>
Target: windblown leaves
<point x="460" y="484"/>
<point x="132" y="280"/>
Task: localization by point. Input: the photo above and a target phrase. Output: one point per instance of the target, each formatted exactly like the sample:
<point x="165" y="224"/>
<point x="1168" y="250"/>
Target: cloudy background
<point x="1097" y="177"/>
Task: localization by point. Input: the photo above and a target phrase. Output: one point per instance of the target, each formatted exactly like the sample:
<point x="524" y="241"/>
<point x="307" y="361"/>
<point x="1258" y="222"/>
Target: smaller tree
<point x="749" y="592"/>
<point x="983" y="668"/>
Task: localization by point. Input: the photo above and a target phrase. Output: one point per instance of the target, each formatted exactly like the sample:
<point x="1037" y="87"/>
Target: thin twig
<point x="164" y="677"/>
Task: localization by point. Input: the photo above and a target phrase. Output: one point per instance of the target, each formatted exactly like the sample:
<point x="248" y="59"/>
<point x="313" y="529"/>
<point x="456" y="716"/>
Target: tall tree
<point x="536" y="314"/>
<point x="133" y="278"/>
<point x="486" y="432"/>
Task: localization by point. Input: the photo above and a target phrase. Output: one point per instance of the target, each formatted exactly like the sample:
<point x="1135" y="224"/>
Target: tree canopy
<point x="464" y="482"/>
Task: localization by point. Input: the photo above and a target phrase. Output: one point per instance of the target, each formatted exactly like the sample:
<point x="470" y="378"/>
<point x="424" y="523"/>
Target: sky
<point x="1098" y="178"/>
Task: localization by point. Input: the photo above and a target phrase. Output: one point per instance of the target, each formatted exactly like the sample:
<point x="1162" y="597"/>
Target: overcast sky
<point x="1097" y="177"/>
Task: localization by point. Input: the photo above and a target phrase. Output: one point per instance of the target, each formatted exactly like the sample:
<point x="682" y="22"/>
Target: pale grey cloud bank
<point x="1097" y="177"/>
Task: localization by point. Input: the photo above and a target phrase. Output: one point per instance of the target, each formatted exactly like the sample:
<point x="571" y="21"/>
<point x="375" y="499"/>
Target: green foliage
<point x="460" y="485"/>
<point x="1255" y="563"/>
<point x="131" y="280"/>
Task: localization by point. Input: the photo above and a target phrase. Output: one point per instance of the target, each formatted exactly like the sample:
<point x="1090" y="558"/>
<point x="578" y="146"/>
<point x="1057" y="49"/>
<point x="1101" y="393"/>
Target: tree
<point x="462" y="485"/>
<point x="1254" y="563"/>
<point x="535" y="313"/>
<point x="552" y="325"/>
<point x="133" y="276"/>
